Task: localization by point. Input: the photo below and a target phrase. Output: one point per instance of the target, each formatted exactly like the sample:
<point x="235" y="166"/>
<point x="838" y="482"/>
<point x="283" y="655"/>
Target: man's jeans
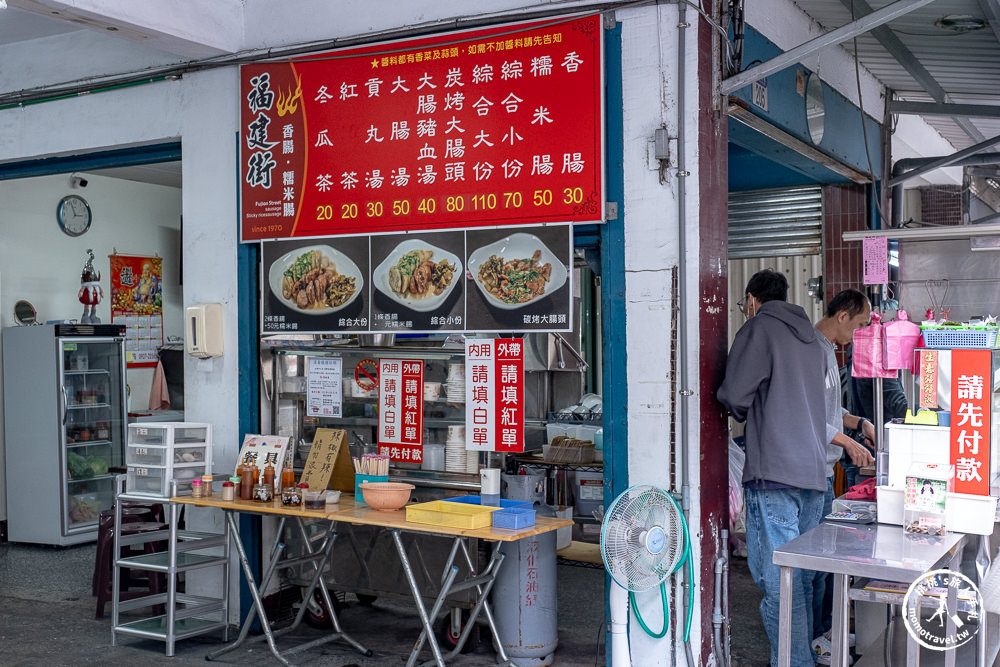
<point x="822" y="599"/>
<point x="774" y="517"/>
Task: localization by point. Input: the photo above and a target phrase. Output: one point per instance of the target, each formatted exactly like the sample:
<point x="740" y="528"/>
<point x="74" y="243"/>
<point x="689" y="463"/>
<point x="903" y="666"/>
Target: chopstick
<point x="376" y="465"/>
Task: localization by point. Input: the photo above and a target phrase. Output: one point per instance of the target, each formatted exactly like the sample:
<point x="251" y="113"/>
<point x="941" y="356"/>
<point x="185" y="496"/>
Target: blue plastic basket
<point x="504" y="504"/>
<point x="513" y="518"/>
<point x="960" y="338"/>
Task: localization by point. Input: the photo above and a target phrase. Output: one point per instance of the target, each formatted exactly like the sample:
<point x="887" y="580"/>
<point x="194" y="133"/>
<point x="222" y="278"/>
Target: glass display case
<point x="359" y="410"/>
<point x="368" y="565"/>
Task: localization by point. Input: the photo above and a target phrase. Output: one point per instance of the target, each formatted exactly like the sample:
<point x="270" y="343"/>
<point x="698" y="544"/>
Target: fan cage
<point x="623" y="537"/>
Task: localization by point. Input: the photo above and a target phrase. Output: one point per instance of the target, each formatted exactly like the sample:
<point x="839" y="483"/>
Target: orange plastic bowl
<point x="386" y="496"/>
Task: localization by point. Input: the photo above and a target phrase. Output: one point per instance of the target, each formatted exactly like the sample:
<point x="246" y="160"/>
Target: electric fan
<point x="644" y="539"/>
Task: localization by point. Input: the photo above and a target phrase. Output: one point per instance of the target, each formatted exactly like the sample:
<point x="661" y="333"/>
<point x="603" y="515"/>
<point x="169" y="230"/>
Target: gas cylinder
<point x="525" y="604"/>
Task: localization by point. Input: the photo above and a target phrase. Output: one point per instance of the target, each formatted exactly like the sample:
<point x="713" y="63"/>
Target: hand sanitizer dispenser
<point x="204" y="330"/>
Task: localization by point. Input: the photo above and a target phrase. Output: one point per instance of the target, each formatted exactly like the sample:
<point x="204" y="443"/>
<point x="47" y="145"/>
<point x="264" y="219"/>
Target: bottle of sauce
<point x="287" y="476"/>
<point x="246" y="482"/>
<point x="268" y="477"/>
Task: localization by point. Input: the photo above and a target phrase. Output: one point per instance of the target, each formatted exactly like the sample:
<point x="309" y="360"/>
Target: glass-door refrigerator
<point x="64" y="428"/>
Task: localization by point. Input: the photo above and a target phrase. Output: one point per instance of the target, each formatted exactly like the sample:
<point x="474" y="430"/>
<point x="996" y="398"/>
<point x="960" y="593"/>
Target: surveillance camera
<point x="77" y="181"/>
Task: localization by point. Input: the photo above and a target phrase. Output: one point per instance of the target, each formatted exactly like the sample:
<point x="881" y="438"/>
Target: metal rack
<point x="186" y="615"/>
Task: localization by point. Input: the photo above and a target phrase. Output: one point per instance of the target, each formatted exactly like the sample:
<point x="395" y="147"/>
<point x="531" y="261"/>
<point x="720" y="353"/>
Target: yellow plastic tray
<point x="451" y="515"/>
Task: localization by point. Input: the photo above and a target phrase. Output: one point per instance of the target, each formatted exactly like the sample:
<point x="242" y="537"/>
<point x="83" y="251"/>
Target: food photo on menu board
<point x="518" y="278"/>
<point x="317" y="285"/>
<point x="417" y="281"/>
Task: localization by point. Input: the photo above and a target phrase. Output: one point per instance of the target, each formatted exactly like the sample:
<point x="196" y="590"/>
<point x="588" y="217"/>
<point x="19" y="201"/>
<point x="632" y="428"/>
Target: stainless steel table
<point x="874" y="551"/>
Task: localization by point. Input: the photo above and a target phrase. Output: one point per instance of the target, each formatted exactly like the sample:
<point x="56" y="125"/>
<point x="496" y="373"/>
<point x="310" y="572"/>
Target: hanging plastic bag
<point x="900" y="339"/>
<point x="867" y="359"/>
<point x="737" y="459"/>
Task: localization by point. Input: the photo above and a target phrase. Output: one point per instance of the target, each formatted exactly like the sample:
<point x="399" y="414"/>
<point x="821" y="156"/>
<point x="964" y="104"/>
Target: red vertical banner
<point x="401" y="409"/>
<point x="509" y="406"/>
<point x="970" y="420"/>
<point x="494" y="395"/>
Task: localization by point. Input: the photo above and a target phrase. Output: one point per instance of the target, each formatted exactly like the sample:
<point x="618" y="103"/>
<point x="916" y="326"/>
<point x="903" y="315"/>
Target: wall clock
<point x="73" y="215"/>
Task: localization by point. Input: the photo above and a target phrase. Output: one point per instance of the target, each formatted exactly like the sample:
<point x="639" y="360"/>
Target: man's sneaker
<point x="822" y="649"/>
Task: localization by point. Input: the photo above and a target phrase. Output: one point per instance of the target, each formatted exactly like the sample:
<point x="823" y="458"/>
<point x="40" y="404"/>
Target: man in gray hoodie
<point x="775" y="381"/>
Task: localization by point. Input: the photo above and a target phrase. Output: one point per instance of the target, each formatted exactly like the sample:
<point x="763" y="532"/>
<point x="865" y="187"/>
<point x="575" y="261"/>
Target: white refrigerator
<point x="64" y="428"/>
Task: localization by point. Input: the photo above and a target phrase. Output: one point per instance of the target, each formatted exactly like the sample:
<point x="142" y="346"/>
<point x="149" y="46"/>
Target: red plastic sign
<point x="487" y="127"/>
<point x="401" y="409"/>
<point x="495" y="395"/>
<point x="970" y="420"/>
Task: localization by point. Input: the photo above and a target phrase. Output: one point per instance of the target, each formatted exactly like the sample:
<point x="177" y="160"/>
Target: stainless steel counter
<point x="875" y="551"/>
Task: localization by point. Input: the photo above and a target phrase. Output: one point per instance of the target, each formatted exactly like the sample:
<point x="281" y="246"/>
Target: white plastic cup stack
<point x="433" y="457"/>
<point x="472" y="461"/>
<point x="455" y="385"/>
<point x="455" y="455"/>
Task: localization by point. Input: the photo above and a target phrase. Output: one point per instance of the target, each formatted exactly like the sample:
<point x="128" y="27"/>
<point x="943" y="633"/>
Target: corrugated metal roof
<point x="965" y="65"/>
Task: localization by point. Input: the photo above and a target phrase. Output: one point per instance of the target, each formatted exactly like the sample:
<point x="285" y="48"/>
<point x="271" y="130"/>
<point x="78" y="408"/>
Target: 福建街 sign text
<point x="497" y="126"/>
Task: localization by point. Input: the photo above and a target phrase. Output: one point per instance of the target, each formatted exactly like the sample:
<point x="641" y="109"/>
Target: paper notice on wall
<point x="324" y="388"/>
<point x="875" y="251"/>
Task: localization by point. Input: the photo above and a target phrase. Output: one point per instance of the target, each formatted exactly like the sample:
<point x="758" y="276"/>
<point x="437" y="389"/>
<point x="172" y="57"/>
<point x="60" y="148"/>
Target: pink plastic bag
<point x="900" y="339"/>
<point x="867" y="356"/>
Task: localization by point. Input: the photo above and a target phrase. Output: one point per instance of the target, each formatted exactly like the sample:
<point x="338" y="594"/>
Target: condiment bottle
<point x="287" y="476"/>
<point x="246" y="482"/>
<point x="228" y="491"/>
<point x="263" y="493"/>
<point x="196" y="489"/>
<point x="268" y="477"/>
<point x="206" y="483"/>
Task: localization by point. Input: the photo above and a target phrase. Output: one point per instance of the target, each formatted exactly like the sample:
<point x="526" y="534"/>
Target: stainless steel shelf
<point x="90" y="479"/>
<point x="156" y="627"/>
<point x="89" y="371"/>
<point x="88" y="443"/>
<point x="84" y="406"/>
<point x="160" y="562"/>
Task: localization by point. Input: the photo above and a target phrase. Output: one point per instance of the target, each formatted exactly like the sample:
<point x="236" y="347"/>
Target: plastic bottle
<point x="196" y="488"/>
<point x="246" y="482"/>
<point x="228" y="491"/>
<point x="268" y="476"/>
<point x="287" y="476"/>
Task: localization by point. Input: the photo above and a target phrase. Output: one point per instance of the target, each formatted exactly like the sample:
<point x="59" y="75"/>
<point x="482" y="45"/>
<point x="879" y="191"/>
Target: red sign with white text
<point x="497" y="126"/>
<point x="970" y="420"/>
<point x="401" y="409"/>
<point x="494" y="395"/>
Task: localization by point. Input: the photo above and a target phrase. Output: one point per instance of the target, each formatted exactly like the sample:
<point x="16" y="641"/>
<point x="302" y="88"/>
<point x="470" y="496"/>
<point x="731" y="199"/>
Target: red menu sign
<point x="401" y="409"/>
<point x="494" y="395"/>
<point x="487" y="127"/>
<point x="970" y="420"/>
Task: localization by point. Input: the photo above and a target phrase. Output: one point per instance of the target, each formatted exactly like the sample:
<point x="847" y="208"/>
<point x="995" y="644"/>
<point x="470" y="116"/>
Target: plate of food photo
<point x="316" y="280"/>
<point x="418" y="275"/>
<point x="516" y="270"/>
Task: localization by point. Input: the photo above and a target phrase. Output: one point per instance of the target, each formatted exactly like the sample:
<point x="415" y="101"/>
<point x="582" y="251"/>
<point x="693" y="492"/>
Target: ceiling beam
<point x="738" y="111"/>
<point x="832" y="38"/>
<point x="991" y="9"/>
<point x="939" y="109"/>
<point x="891" y="43"/>
<point x="942" y="161"/>
<point x="926" y="233"/>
